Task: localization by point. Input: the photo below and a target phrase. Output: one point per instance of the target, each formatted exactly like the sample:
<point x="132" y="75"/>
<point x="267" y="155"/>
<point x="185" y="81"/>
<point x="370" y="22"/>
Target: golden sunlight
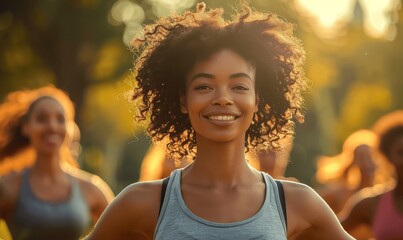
<point x="379" y="17"/>
<point x="327" y="17"/>
<point x="330" y="17"/>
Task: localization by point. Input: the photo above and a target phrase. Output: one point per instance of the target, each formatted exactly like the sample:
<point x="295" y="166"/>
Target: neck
<point x="47" y="165"/>
<point x="220" y="162"/>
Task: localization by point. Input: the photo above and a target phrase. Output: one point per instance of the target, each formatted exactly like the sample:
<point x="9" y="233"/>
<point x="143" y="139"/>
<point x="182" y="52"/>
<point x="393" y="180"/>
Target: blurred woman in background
<point x="44" y="195"/>
<point x="381" y="207"/>
<point x="350" y="171"/>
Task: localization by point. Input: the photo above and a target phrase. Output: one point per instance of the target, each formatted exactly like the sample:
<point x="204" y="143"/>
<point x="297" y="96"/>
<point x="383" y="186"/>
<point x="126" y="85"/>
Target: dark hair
<point x="171" y="47"/>
<point x="389" y="128"/>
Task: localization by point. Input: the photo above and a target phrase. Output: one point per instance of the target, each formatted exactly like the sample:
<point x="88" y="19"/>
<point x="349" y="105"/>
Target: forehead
<point x="224" y="60"/>
<point x="47" y="105"/>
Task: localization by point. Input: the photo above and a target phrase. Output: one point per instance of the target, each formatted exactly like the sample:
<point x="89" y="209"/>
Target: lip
<point x="52" y="139"/>
<point x="224" y="121"/>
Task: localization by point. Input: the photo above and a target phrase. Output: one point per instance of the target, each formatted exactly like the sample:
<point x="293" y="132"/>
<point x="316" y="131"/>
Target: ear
<point x="257" y="103"/>
<point x="183" y="106"/>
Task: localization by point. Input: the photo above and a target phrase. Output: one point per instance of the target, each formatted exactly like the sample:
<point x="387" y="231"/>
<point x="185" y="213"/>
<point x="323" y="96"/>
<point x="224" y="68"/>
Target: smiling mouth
<point x="222" y="117"/>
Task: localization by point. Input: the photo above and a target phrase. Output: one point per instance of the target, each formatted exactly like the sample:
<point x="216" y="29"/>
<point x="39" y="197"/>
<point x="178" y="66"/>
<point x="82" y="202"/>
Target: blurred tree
<point x="67" y="43"/>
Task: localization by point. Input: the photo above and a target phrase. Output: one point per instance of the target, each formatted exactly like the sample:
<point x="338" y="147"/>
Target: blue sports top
<point x="177" y="222"/>
<point x="34" y="218"/>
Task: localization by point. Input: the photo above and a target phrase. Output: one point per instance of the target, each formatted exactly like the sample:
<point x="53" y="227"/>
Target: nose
<point x="222" y="98"/>
<point x="54" y="125"/>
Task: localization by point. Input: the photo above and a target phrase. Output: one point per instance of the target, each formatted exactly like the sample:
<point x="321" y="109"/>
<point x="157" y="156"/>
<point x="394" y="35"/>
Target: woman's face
<point x="46" y="126"/>
<point x="220" y="96"/>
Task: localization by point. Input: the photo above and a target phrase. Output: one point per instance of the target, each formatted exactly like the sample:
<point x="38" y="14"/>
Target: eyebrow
<point x="211" y="76"/>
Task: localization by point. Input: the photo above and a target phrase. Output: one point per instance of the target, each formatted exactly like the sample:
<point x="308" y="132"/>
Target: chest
<point x="224" y="205"/>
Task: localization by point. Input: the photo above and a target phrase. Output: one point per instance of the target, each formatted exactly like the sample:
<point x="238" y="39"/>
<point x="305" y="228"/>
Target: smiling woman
<point x="42" y="196"/>
<point x="215" y="89"/>
<point x="220" y="99"/>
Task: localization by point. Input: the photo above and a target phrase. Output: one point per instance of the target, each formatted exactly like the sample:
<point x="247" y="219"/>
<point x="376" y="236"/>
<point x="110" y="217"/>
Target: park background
<point x="354" y="63"/>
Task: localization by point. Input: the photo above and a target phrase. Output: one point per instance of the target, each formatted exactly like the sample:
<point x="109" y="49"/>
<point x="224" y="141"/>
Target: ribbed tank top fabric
<point x="34" y="218"/>
<point x="388" y="222"/>
<point x="177" y="222"/>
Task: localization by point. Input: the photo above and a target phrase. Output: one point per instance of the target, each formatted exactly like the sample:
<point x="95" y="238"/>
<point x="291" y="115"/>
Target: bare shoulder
<point x="11" y="180"/>
<point x="140" y="198"/>
<point x="144" y="194"/>
<point x="309" y="217"/>
<point x="92" y="184"/>
<point x="132" y="214"/>
<point x="300" y="200"/>
<point x="9" y="190"/>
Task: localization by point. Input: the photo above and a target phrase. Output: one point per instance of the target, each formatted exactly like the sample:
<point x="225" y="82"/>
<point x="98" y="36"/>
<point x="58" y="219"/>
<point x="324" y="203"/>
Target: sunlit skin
<point x="49" y="180"/>
<point x="220" y="100"/>
<point x="219" y="185"/>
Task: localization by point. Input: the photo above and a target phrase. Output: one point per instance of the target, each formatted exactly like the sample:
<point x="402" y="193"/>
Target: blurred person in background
<point x="273" y="161"/>
<point x="157" y="164"/>
<point x="355" y="168"/>
<point x="215" y="89"/>
<point x="44" y="195"/>
<point x="380" y="207"/>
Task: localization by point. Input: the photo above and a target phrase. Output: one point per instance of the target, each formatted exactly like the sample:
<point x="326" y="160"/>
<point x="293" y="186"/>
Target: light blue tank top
<point x="34" y="218"/>
<point x="177" y="222"/>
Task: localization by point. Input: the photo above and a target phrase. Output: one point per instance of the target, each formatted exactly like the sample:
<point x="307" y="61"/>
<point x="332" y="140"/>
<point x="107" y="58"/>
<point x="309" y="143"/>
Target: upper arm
<point x="9" y="186"/>
<point x="96" y="192"/>
<point x="133" y="213"/>
<point x="3" y="198"/>
<point x="102" y="194"/>
<point x="309" y="215"/>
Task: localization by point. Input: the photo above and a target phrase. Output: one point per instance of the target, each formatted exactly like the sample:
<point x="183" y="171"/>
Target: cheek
<point x="251" y="103"/>
<point x="35" y="128"/>
<point x="195" y="103"/>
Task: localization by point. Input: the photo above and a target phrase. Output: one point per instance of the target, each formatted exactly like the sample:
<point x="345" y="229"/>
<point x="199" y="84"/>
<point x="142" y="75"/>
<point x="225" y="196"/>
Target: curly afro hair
<point x="170" y="48"/>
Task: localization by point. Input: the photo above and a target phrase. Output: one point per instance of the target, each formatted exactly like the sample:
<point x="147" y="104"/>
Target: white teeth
<point x="222" y="117"/>
<point x="52" y="138"/>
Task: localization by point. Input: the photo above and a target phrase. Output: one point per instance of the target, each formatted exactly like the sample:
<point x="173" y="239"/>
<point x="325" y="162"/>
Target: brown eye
<point x="202" y="87"/>
<point x="61" y="119"/>
<point x="241" y="87"/>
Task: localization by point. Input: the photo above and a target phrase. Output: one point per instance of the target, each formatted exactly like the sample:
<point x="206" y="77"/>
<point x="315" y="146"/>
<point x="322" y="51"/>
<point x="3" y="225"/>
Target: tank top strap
<point x="75" y="189"/>
<point x="272" y="186"/>
<point x="25" y="187"/>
